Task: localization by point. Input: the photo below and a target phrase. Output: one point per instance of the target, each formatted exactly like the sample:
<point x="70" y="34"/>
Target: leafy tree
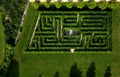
<point x="108" y="72"/>
<point x="14" y="10"/>
<point x="75" y="72"/>
<point x="91" y="70"/>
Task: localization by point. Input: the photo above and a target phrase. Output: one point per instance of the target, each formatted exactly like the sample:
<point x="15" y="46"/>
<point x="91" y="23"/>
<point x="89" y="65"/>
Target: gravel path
<point x="67" y="0"/>
<point x="22" y="21"/>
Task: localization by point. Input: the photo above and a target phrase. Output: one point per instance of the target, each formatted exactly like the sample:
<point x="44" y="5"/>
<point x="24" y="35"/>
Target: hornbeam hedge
<point x="79" y="5"/>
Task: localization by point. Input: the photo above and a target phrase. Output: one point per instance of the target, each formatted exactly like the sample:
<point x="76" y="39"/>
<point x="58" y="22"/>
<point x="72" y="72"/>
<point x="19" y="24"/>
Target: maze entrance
<point x="63" y="30"/>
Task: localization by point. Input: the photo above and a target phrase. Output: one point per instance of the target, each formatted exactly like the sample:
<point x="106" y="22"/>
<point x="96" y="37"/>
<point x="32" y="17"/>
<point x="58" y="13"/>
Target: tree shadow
<point x="56" y="74"/>
<point x="108" y="72"/>
<point x="40" y="75"/>
<point x="91" y="70"/>
<point x="13" y="69"/>
<point x="74" y="71"/>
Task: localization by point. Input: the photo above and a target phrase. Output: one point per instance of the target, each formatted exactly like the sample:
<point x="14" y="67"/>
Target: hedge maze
<point x="81" y="30"/>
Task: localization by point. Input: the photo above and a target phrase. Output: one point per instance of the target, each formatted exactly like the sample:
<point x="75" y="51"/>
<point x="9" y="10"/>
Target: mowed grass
<point x="46" y="64"/>
<point x="2" y="39"/>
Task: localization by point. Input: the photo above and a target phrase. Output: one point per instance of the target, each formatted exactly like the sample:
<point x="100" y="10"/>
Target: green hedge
<point x="80" y="5"/>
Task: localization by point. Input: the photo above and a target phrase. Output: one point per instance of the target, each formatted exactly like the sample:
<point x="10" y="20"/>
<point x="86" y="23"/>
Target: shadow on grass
<point x="56" y="74"/>
<point x="74" y="71"/>
<point x="13" y="69"/>
<point x="108" y="72"/>
<point x="91" y="70"/>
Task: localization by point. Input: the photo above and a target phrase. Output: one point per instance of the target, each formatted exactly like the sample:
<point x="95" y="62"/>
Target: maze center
<point x="65" y="30"/>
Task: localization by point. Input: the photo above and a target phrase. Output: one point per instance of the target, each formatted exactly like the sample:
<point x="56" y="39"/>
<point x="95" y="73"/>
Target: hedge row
<point x="79" y="5"/>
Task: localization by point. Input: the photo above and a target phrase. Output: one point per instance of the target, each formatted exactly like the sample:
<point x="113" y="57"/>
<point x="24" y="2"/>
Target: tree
<point x="108" y="72"/>
<point x="75" y="72"/>
<point x="14" y="10"/>
<point x="91" y="70"/>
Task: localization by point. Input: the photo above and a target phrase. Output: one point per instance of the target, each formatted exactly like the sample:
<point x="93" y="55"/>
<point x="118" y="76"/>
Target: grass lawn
<point x="46" y="64"/>
<point x="2" y="39"/>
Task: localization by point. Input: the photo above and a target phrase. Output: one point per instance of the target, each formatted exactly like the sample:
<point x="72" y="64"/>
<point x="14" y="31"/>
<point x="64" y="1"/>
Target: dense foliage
<point x="9" y="52"/>
<point x="80" y="5"/>
<point x="13" y="11"/>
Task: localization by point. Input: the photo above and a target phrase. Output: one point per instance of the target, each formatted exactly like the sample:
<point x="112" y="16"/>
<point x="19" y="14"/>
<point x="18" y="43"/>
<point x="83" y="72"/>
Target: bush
<point x="69" y="5"/>
<point x="80" y="5"/>
<point x="47" y="5"/>
<point x="35" y="5"/>
<point x="6" y="62"/>
<point x="91" y="5"/>
<point x="112" y="5"/>
<point x="58" y="5"/>
<point x="103" y="5"/>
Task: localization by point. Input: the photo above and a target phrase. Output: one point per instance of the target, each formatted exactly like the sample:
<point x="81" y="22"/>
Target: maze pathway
<point x="63" y="30"/>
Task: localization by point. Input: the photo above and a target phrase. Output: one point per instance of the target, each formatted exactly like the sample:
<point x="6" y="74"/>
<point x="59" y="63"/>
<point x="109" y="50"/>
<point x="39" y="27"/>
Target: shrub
<point x="103" y="5"/>
<point x="91" y="5"/>
<point x="47" y="5"/>
<point x="69" y="5"/>
<point x="80" y="5"/>
<point x="112" y="5"/>
<point x="6" y="62"/>
<point x="58" y="5"/>
<point x="35" y="5"/>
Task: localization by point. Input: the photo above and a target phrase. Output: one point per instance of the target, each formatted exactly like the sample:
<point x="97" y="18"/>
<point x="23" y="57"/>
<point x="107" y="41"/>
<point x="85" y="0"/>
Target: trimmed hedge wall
<point x="79" y="5"/>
